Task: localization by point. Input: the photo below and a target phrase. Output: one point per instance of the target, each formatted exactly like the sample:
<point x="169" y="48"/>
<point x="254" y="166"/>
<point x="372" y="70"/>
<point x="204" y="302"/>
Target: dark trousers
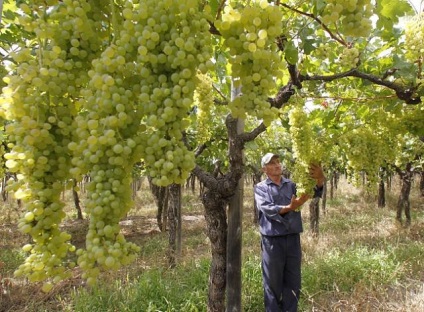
<point x="281" y="261"/>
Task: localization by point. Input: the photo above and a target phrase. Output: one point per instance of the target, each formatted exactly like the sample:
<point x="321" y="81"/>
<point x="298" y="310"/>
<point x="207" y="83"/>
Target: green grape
<point x="2" y="162"/>
<point x="350" y="17"/>
<point x="308" y="148"/>
<point x="349" y="57"/>
<point x="366" y="150"/>
<point x="414" y="36"/>
<point x="39" y="108"/>
<point x="167" y="48"/>
<point x="184" y="45"/>
<point x="146" y="73"/>
<point x="255" y="62"/>
<point x="205" y="106"/>
<point x="301" y="136"/>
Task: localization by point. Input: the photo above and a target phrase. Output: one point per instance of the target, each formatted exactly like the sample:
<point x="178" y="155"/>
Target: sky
<point x="418" y="4"/>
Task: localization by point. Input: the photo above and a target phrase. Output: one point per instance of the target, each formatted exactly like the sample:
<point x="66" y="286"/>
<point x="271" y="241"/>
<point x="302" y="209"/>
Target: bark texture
<point x="404" y="204"/>
<point x="257" y="177"/>
<point x="160" y="194"/>
<point x="174" y="220"/>
<point x="314" y="216"/>
<point x="324" y="198"/>
<point x="216" y="221"/>
<point x="381" y="200"/>
<point x="76" y="200"/>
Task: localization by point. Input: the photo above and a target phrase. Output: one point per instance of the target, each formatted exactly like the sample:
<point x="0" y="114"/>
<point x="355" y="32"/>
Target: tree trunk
<point x="332" y="178"/>
<point x="324" y="197"/>
<point x="160" y="194"/>
<point x="85" y="180"/>
<point x="257" y="176"/>
<point x="193" y="183"/>
<point x="201" y="189"/>
<point x="381" y="196"/>
<point x="389" y="182"/>
<point x="422" y="182"/>
<point x="3" y="188"/>
<point x="76" y="200"/>
<point x="336" y="179"/>
<point x="381" y="200"/>
<point x="314" y="216"/>
<point x="174" y="218"/>
<point x="216" y="221"/>
<point x="134" y="185"/>
<point x="403" y="202"/>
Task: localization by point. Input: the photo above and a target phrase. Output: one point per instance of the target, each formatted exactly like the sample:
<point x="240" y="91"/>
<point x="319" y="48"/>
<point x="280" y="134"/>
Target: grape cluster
<point x="203" y="98"/>
<point x="174" y="42"/>
<point x="349" y="57"/>
<point x="309" y="147"/>
<point x="352" y="17"/>
<point x="414" y="38"/>
<point x="38" y="101"/>
<point x="249" y="34"/>
<point x="147" y="74"/>
<point x="88" y="98"/>
<point x="366" y="150"/>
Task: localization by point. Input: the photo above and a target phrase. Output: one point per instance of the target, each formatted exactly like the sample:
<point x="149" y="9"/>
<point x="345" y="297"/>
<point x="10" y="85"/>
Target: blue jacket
<point x="269" y="198"/>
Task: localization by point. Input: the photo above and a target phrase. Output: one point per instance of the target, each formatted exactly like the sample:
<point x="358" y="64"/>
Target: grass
<point x="362" y="260"/>
<point x="155" y="290"/>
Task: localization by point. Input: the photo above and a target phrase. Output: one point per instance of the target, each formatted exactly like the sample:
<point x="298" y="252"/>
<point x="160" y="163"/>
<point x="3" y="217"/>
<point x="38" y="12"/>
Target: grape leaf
<point x="291" y="52"/>
<point x="393" y="9"/>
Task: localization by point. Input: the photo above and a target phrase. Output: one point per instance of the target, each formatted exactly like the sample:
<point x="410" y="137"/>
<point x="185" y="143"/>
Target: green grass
<point x="182" y="289"/>
<point x="344" y="269"/>
<point x="252" y="292"/>
<point x="10" y="260"/>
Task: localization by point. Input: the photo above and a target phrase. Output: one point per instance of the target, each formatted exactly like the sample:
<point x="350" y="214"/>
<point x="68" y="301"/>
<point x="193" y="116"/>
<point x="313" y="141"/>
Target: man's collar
<point x="283" y="180"/>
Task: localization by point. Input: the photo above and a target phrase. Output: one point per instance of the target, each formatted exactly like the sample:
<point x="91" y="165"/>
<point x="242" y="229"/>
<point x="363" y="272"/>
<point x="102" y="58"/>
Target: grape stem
<point x="332" y="35"/>
<point x="114" y="21"/>
<point x="220" y="8"/>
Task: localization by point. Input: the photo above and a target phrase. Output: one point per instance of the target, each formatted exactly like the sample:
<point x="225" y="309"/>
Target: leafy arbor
<point x="94" y="88"/>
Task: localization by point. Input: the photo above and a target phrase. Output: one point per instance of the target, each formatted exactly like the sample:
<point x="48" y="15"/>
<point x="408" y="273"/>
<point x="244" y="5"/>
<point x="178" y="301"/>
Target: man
<point x="280" y="226"/>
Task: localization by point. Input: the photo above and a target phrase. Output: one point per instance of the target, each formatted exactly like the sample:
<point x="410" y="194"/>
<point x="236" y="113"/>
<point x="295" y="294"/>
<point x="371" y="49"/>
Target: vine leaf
<point x="291" y="53"/>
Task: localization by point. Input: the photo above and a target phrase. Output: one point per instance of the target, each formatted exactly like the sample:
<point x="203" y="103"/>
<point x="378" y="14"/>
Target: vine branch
<point x="310" y="15"/>
<point x="404" y="94"/>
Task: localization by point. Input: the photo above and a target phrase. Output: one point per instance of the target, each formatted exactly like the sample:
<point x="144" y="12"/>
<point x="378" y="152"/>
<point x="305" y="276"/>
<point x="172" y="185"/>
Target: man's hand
<point x="295" y="203"/>
<point x="317" y="173"/>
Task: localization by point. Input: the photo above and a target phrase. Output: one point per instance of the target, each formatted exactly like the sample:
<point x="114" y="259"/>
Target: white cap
<point x="267" y="158"/>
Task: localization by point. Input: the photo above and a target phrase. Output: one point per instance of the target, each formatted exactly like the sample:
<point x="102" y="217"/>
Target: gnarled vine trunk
<point x="404" y="204"/>
<point x="334" y="179"/>
<point x="160" y="194"/>
<point x="257" y="176"/>
<point x="174" y="220"/>
<point x="76" y="200"/>
<point x="314" y="216"/>
<point x="216" y="221"/>
<point x="324" y="198"/>
<point x="381" y="199"/>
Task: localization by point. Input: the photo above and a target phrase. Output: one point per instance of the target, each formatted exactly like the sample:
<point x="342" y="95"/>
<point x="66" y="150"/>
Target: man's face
<point x="273" y="168"/>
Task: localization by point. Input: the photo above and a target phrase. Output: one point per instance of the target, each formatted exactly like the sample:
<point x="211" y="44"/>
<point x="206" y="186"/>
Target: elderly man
<point x="280" y="225"/>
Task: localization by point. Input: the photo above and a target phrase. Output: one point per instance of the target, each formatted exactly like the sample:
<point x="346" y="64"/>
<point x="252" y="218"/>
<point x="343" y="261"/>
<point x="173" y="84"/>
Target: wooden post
<point x="234" y="237"/>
